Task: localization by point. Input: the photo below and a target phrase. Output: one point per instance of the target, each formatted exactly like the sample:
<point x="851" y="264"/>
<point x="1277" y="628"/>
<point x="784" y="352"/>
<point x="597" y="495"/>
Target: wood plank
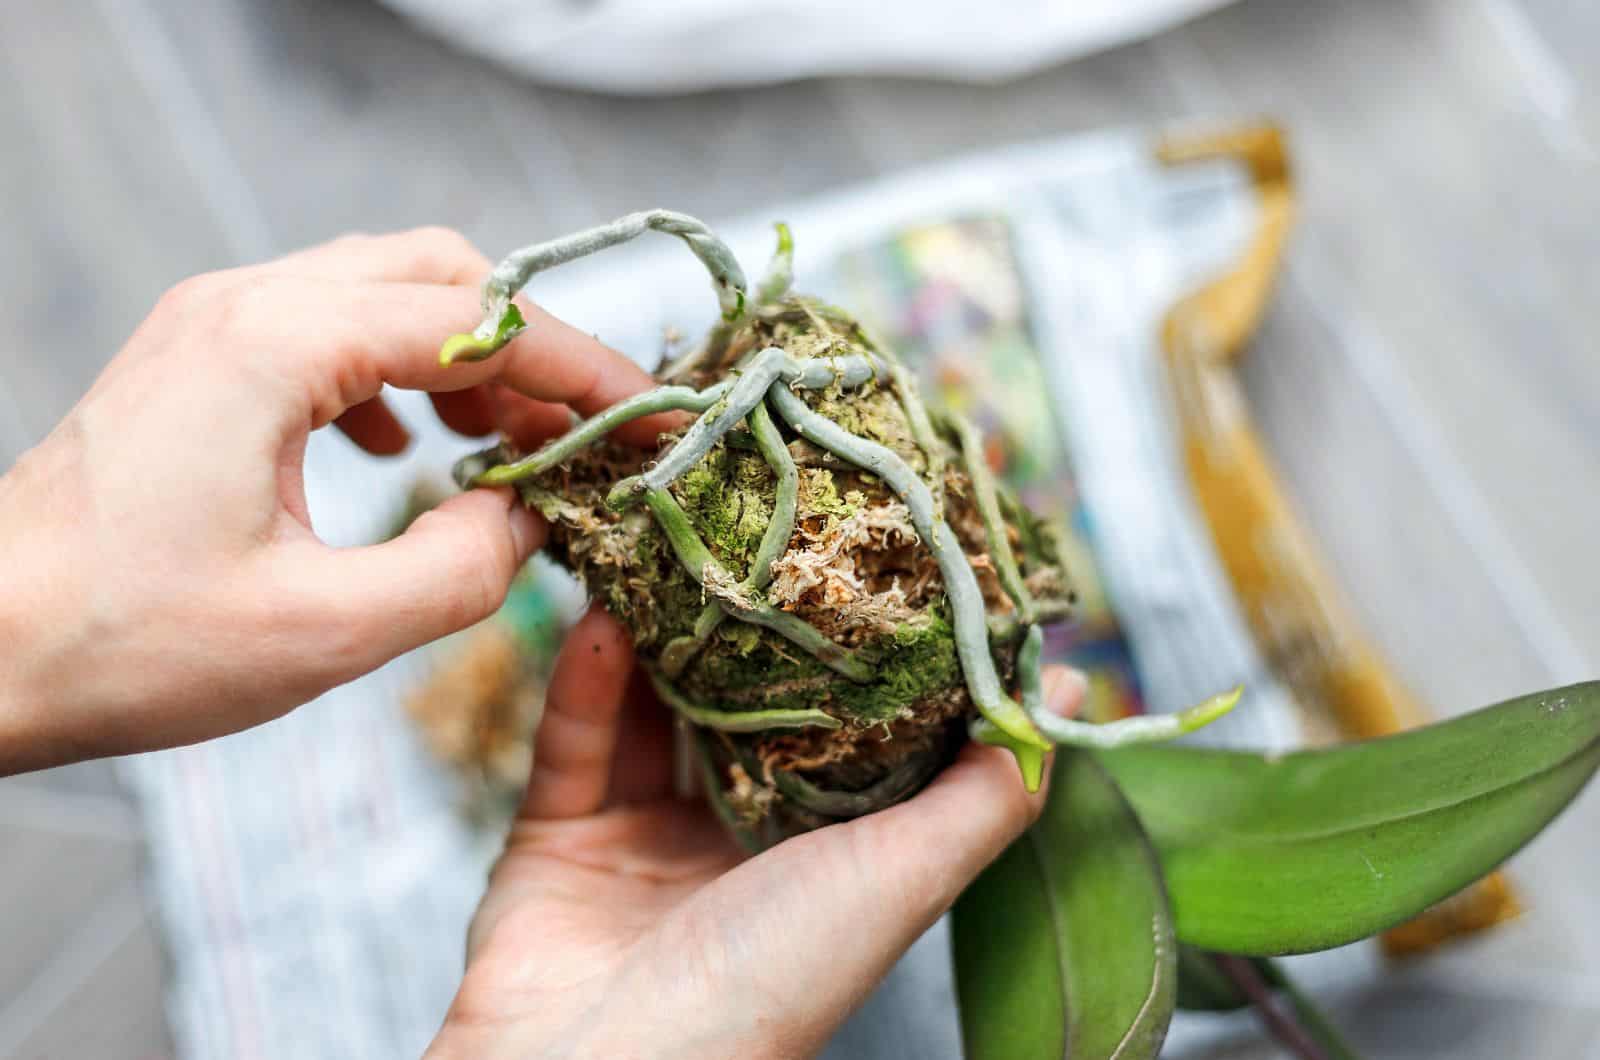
<point x="100" y="216"/>
<point x="339" y="116"/>
<point x="1445" y="215"/>
<point x="111" y="1005"/>
<point x="389" y="129"/>
<point x="1370" y="504"/>
<point x="54" y="880"/>
<point x="1554" y="43"/>
<point x="905" y="122"/>
<point x="1422" y="377"/>
<point x="714" y="154"/>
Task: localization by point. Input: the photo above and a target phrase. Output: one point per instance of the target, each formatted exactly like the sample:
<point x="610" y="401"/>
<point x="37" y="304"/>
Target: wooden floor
<point x="1429" y="377"/>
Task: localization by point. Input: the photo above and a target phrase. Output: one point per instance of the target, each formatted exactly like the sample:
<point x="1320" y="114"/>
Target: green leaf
<point x="1306" y="851"/>
<point x="1064" y="946"/>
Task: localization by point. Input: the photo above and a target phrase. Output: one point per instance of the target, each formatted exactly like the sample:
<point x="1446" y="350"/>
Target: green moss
<point x="668" y="610"/>
<point x="875" y="414"/>
<point x="819" y="495"/>
<point x="728" y="497"/>
<point x="742" y="637"/>
<point x="734" y="673"/>
<point x="916" y="662"/>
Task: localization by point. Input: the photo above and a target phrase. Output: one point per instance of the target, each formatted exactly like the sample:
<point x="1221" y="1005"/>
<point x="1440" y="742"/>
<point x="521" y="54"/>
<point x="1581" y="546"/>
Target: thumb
<point x="451" y="568"/>
<point x="855" y="896"/>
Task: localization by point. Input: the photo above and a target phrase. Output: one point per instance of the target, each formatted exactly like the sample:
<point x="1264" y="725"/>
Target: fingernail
<point x="1064" y="690"/>
<point x="527" y="529"/>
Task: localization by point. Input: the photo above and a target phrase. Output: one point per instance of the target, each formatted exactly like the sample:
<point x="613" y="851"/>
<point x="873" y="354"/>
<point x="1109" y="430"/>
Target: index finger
<point x="554" y="361"/>
<point x="363" y="335"/>
<point x="433" y="254"/>
<point x="443" y="256"/>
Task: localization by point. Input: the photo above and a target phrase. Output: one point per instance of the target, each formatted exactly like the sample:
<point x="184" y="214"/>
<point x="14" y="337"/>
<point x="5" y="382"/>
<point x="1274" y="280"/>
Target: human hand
<point x="161" y="580"/>
<point x="622" y="922"/>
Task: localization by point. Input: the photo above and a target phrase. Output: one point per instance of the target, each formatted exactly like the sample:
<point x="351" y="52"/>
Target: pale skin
<point x="162" y="585"/>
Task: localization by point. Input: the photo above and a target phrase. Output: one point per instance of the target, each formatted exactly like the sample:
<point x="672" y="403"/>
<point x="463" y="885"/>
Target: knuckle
<point x="446" y="252"/>
<point x="590" y="379"/>
<point x="442" y="237"/>
<point x="188" y="293"/>
<point x="244" y="308"/>
<point x="354" y="238"/>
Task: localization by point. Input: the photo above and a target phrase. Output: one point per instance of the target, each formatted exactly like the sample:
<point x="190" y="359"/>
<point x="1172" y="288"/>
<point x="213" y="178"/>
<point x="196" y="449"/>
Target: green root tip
<point x="785" y="238"/>
<point x="468" y="346"/>
<point x="1030" y="759"/>
<point x="626" y="494"/>
<point x="472" y="470"/>
<point x="1203" y="714"/>
<point x="1148" y="728"/>
<point x="465" y="347"/>
<point x="1014" y="722"/>
<point x="500" y="475"/>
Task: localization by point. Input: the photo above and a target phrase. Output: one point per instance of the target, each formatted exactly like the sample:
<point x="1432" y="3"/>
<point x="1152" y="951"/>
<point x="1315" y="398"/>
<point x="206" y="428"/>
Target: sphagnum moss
<point x="821" y="577"/>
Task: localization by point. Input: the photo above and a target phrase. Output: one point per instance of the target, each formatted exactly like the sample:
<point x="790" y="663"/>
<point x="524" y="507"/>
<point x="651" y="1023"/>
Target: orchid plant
<point x="832" y="590"/>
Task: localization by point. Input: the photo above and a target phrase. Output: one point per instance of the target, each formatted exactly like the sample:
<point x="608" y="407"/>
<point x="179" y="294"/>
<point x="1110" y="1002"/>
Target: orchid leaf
<point x="1064" y="946"/>
<point x="1293" y="853"/>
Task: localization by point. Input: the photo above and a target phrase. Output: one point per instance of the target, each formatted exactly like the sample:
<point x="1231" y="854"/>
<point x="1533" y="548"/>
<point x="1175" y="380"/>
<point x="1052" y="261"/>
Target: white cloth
<point x="651" y="46"/>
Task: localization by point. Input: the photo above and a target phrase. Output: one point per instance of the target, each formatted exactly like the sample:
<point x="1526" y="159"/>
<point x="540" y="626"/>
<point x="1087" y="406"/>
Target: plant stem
<point x="1009" y="627"/>
<point x="684" y="753"/>
<point x="712" y="783"/>
<point x="900" y="782"/>
<point x="557" y="450"/>
<point x="1282" y="1026"/>
<point x="960" y="584"/>
<point x="785" y="498"/>
<point x="780" y="272"/>
<point x="715" y="579"/>
<point x="1315" y="1023"/>
<point x="994" y="526"/>
<point x="922" y="431"/>
<point x="1149" y="728"/>
<point x="774" y="540"/>
<point x="758" y="373"/>
<point x="520" y="266"/>
<point x="773" y="286"/>
<point x="740" y="720"/>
